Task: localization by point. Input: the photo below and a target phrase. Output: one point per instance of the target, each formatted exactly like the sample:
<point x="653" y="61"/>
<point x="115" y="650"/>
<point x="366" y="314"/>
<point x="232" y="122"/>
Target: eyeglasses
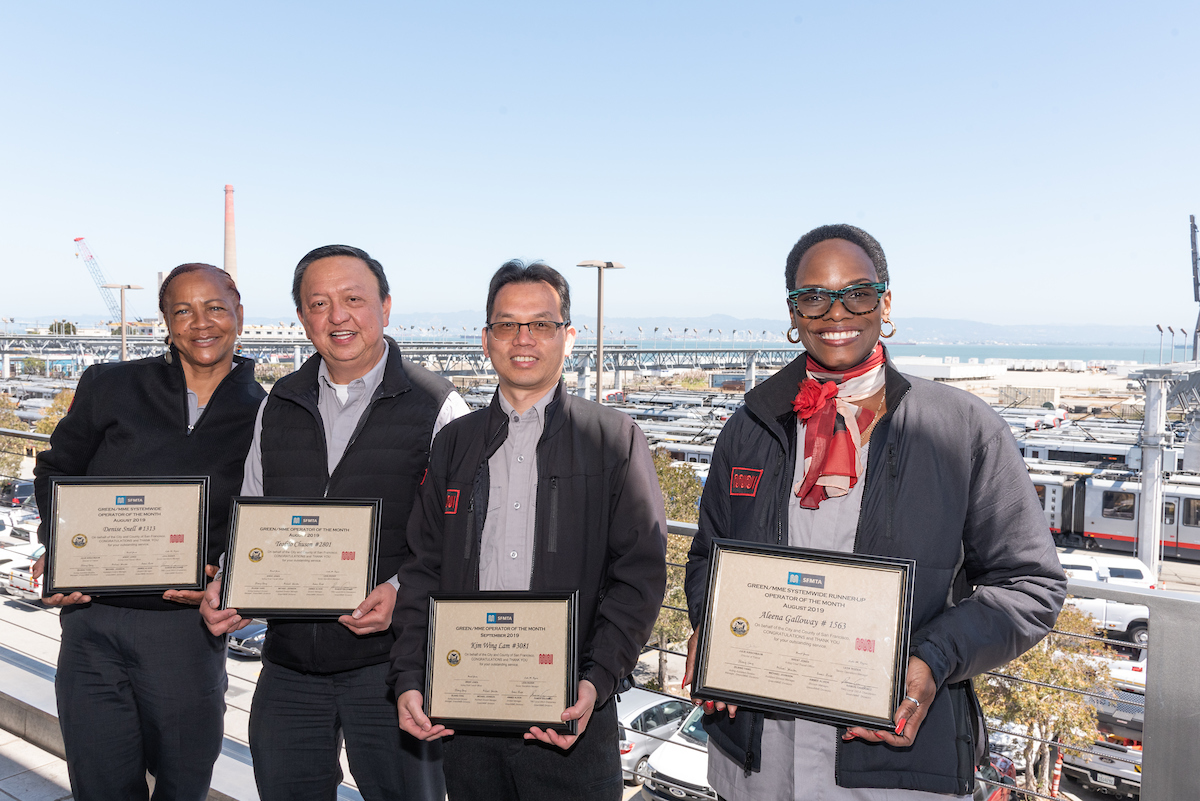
<point x="539" y="329"/>
<point x="813" y="302"/>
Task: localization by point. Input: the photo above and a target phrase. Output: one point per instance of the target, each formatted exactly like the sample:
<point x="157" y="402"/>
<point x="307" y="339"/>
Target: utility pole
<point x="122" y="287"/>
<point x="1195" y="288"/>
<point x="600" y="266"/>
<point x="1155" y="438"/>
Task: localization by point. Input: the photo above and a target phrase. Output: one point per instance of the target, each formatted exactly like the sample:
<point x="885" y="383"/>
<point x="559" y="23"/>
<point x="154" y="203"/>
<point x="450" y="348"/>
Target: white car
<point x="679" y="768"/>
<point x="18" y="556"/>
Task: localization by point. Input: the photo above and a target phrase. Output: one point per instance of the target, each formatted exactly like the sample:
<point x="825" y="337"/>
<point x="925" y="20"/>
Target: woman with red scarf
<point x="855" y="457"/>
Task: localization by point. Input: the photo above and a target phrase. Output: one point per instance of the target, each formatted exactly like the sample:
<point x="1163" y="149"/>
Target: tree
<point x="12" y="449"/>
<point x="62" y="327"/>
<point x="33" y="366"/>
<point x="1042" y="712"/>
<point x="56" y="411"/>
<point x="681" y="496"/>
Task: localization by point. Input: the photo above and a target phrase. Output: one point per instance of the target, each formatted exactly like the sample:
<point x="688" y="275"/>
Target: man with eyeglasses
<point x="542" y="491"/>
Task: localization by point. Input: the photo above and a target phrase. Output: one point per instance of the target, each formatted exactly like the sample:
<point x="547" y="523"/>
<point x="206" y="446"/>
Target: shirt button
<point x="520" y="458"/>
<point x="517" y="505"/>
<point x="516" y="418"/>
<point x="512" y="555"/>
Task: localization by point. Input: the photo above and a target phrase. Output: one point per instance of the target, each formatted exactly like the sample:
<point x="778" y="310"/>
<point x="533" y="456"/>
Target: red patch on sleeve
<point x="744" y="481"/>
<point x="451" y="502"/>
<point x="423" y="477"/>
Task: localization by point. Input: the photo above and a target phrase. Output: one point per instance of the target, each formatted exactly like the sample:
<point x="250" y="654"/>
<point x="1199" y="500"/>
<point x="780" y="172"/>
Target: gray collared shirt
<point x="506" y="552"/>
<point x="339" y="417"/>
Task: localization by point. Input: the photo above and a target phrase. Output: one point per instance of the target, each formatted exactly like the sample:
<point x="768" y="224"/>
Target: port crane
<point x="82" y="251"/>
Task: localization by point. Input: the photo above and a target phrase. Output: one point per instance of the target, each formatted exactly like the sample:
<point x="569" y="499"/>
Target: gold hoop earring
<point x="795" y="341"/>
<point x="891" y="333"/>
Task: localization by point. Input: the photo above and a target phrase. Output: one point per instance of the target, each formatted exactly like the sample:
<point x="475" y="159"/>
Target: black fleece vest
<point x="385" y="459"/>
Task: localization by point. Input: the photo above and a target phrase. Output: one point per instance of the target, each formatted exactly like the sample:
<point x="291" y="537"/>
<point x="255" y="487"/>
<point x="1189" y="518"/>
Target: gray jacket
<point x="946" y="487"/>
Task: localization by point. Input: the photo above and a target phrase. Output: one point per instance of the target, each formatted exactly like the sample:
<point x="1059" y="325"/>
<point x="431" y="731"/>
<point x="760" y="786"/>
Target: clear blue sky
<point x="1020" y="163"/>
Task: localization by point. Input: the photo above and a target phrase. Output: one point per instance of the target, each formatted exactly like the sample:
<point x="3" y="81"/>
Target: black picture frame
<point x="434" y="649"/>
<point x="905" y="570"/>
<point x="120" y="486"/>
<point x="286" y="506"/>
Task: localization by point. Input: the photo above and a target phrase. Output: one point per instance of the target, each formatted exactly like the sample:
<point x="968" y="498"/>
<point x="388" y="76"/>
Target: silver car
<point x="646" y="719"/>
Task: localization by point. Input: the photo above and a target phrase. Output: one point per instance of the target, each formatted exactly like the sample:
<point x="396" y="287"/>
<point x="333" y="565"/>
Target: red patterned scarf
<point x="825" y="404"/>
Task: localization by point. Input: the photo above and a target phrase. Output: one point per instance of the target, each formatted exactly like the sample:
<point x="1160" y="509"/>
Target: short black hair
<point x="325" y="252"/>
<point x="515" y="271"/>
<point x="193" y="267"/>
<point x="851" y="234"/>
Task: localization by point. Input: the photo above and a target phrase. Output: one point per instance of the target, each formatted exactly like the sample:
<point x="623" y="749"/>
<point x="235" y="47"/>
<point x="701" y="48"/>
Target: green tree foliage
<point x="1046" y="713"/>
<point x="12" y="449"/>
<point x="681" y="496"/>
<point x="57" y="410"/>
<point x="62" y="327"/>
<point x="31" y="366"/>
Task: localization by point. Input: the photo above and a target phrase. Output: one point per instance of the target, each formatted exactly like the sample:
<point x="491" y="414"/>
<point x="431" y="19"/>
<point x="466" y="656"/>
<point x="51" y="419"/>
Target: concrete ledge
<point x="29" y="709"/>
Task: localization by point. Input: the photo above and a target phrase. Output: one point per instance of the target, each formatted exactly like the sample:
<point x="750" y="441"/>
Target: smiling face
<point x="204" y="318"/>
<point x="526" y="367"/>
<point x="839" y="340"/>
<point x="343" y="315"/>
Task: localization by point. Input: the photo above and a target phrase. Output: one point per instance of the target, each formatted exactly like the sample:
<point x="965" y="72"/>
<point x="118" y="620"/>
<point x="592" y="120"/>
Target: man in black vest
<point x="542" y="491"/>
<point x="355" y="421"/>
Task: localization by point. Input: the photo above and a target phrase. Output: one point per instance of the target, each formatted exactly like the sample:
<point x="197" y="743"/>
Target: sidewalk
<point x="27" y="773"/>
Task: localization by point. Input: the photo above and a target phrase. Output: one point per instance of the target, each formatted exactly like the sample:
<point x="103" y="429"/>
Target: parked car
<point x="678" y="770"/>
<point x="23" y="585"/>
<point x="997" y="780"/>
<point x="1130" y="621"/>
<point x="13" y="492"/>
<point x="249" y="641"/>
<point x="646" y="719"/>
<point x="1107" y="767"/>
<point x="16" y="556"/>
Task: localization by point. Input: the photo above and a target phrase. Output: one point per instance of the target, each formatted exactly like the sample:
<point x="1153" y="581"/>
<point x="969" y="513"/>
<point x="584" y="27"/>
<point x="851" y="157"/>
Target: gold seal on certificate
<point x="820" y="635"/>
<point x="300" y="557"/>
<point x="501" y="661"/>
<point x="126" y="535"/>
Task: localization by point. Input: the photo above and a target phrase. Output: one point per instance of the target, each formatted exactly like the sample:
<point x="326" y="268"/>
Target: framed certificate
<point x="821" y="635"/>
<point x="501" y="661"/>
<point x="300" y="557"/>
<point x="126" y="535"/>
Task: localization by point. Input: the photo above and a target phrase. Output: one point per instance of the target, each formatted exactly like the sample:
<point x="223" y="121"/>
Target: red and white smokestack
<point x="230" y="239"/>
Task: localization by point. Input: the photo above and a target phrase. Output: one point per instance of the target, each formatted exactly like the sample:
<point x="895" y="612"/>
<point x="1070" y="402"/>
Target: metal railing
<point x="1171" y="710"/>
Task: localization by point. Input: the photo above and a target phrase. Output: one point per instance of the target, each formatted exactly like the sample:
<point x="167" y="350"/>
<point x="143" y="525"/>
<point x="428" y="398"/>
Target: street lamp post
<point x="122" y="287"/>
<point x="1160" y="342"/>
<point x="600" y="266"/>
<point x="1172" y="330"/>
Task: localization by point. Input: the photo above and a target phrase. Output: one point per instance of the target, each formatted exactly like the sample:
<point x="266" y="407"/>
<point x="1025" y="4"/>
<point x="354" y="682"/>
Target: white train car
<point x="1101" y="509"/>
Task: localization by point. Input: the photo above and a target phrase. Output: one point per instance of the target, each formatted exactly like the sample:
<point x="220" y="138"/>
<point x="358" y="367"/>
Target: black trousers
<point x="140" y="691"/>
<point x="507" y="767"/>
<point x="297" y="725"/>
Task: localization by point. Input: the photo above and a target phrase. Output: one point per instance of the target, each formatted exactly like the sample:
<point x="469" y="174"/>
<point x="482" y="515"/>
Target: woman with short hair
<point x="141" y="682"/>
<point x="855" y="457"/>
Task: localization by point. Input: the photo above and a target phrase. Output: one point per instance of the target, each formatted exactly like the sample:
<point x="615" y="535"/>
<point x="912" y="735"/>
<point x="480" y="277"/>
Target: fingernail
<point x="357" y="614"/>
<point x="849" y="735"/>
<point x="900" y="726"/>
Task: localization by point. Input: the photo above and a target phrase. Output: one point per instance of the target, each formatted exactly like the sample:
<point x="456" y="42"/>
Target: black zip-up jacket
<point x="131" y="419"/>
<point x="385" y="458"/>
<point x="599" y="528"/>
<point x="946" y="487"/>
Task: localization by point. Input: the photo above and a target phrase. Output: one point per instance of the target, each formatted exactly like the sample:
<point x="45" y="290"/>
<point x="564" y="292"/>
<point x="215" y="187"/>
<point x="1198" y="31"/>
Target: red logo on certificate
<point x="545" y="659"/>
<point x="744" y="481"/>
<point x="176" y="538"/>
<point x="348" y="556"/>
<point x="451" y="502"/>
